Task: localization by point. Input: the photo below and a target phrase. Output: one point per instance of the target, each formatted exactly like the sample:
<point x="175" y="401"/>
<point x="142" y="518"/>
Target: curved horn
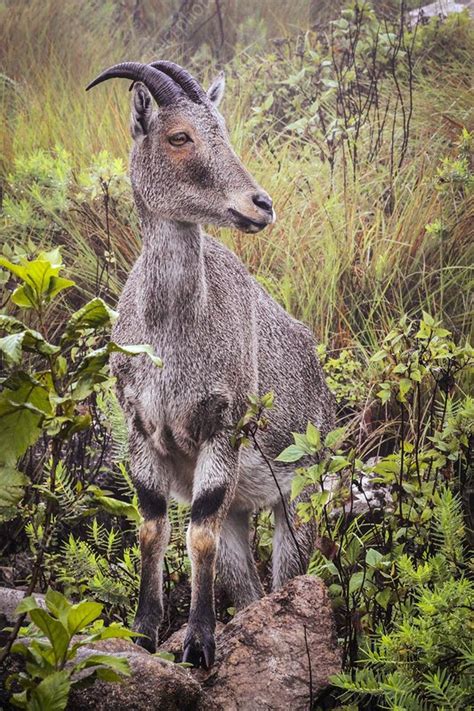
<point x="183" y="78"/>
<point x="163" y="89"/>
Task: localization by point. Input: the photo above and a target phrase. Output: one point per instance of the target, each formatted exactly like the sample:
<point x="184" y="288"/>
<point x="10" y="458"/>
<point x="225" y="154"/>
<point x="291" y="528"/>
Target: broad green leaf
<point x="16" y="269"/>
<point x="53" y="256"/>
<point x="268" y="400"/>
<point x="23" y="404"/>
<point x="134" y="350"/>
<point x="52" y="693"/>
<point x="384" y="395"/>
<point x="96" y="360"/>
<point x="356" y="581"/>
<point x="301" y="441"/>
<point x="94" y="314"/>
<point x="335" y="438"/>
<point x="105" y="674"/>
<point x="373" y="557"/>
<point x="12" y="346"/>
<point x="107" y="660"/>
<point x="405" y="386"/>
<point x="24" y="296"/>
<point x="28" y="340"/>
<point x="383" y="597"/>
<point x="290" y="454"/>
<point x="58" y="605"/>
<point x="113" y="631"/>
<point x="38" y="273"/>
<point x="58" y="284"/>
<point x="115" y="506"/>
<point x="10" y="324"/>
<point x="297" y="485"/>
<point x="54" y="630"/>
<point x="337" y="463"/>
<point x="25" y="605"/>
<point x="168" y="656"/>
<point x="82" y="614"/>
<point x="12" y="486"/>
<point x="428" y="319"/>
<point x="313" y="436"/>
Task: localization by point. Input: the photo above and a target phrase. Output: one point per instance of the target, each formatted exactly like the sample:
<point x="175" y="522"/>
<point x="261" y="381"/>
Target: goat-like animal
<point x="221" y="337"/>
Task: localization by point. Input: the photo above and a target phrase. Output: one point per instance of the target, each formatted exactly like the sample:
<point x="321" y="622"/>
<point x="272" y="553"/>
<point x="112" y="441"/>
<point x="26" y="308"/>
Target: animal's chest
<point x="177" y="407"/>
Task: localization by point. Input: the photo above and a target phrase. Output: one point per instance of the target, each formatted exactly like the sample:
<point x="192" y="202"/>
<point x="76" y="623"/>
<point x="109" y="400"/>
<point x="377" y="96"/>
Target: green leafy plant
<point x="51" y="651"/>
<point x="46" y="391"/>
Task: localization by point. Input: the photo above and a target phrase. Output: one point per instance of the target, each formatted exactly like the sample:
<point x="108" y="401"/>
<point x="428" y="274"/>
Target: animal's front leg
<point x="151" y="480"/>
<point x="215" y="482"/>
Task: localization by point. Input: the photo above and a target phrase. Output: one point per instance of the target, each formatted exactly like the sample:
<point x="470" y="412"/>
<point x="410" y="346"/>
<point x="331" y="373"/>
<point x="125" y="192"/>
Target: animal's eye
<point x="178" y="139"/>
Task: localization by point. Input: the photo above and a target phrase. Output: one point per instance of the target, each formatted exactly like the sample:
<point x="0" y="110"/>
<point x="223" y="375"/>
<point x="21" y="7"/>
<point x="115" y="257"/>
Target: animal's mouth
<point x="246" y="224"/>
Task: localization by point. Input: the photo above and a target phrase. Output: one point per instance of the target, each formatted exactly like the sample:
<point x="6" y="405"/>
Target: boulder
<point x="278" y="653"/>
<point x="154" y="684"/>
<point x="9" y="600"/>
<point x="441" y="9"/>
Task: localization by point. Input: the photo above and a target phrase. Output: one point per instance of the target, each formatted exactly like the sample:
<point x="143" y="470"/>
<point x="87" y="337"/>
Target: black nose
<point x="263" y="201"/>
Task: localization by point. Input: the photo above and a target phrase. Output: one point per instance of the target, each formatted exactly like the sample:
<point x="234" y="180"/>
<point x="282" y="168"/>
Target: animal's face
<point x="184" y="168"/>
<point x="182" y="164"/>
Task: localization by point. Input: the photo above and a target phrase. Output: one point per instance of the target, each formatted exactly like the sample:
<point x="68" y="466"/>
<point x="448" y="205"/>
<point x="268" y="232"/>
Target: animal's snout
<point x="263" y="201"/>
<point x="252" y="211"/>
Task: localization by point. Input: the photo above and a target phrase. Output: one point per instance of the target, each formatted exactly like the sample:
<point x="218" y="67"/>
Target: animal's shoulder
<point x="228" y="273"/>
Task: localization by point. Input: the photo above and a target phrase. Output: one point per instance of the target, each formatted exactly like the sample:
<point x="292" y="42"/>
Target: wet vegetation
<point x="361" y="128"/>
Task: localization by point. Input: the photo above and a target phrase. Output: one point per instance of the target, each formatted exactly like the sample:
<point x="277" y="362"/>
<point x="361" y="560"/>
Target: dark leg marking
<point x="152" y="504"/>
<point x="207" y="504"/>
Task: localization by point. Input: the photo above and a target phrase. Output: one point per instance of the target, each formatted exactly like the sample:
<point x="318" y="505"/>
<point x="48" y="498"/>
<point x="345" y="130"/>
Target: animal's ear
<point x="216" y="90"/>
<point x="142" y="109"/>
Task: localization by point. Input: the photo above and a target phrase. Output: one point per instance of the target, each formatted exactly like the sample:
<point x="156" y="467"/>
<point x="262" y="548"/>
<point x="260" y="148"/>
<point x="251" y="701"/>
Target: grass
<point x="337" y="258"/>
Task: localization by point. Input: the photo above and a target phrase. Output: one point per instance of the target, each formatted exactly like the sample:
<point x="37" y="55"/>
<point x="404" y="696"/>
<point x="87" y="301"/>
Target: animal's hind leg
<point x="235" y="563"/>
<point x="293" y="543"/>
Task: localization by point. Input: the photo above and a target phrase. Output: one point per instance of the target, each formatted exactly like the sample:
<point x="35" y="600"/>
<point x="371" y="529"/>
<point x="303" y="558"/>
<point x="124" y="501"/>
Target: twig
<point x="221" y="22"/>
<point x="310" y="668"/>
<point x="283" y="502"/>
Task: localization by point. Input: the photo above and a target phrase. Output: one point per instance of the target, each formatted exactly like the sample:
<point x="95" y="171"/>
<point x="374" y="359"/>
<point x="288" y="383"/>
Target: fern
<point x="448" y="526"/>
<point x="443" y="692"/>
<point x="108" y="405"/>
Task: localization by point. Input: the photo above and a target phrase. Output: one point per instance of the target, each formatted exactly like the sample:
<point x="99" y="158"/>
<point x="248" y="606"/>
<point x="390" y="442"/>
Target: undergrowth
<point x="362" y="131"/>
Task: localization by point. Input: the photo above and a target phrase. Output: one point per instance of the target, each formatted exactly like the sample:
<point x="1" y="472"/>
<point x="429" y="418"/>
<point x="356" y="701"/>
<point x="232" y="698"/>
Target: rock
<point x="9" y="599"/>
<point x="265" y="658"/>
<point x="154" y="684"/>
<point x="264" y="655"/>
<point x="441" y="9"/>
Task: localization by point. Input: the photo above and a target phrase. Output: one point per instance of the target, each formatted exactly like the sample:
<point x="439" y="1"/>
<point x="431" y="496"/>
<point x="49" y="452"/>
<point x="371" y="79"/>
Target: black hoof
<point x="199" y="648"/>
<point x="148" y="641"/>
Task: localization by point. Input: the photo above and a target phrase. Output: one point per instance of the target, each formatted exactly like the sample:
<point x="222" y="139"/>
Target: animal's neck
<point x="173" y="276"/>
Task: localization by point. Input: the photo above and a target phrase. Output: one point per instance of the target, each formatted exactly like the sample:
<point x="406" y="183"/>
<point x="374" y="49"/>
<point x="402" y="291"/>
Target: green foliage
<point x="397" y="581"/>
<point x="51" y="648"/>
<point x="336" y="125"/>
<point x="44" y="393"/>
<point x="48" y="393"/>
<point x="424" y="661"/>
<point x="101" y="567"/>
<point x="106" y="176"/>
<point x="39" y="187"/>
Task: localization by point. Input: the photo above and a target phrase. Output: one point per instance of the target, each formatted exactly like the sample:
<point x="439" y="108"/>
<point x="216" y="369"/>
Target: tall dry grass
<point x="336" y="258"/>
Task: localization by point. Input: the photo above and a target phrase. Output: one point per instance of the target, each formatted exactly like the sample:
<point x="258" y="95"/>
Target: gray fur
<point x="221" y="337"/>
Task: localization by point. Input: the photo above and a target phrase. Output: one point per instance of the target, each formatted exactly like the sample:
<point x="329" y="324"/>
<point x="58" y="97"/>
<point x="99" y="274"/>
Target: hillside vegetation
<point x="362" y="130"/>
